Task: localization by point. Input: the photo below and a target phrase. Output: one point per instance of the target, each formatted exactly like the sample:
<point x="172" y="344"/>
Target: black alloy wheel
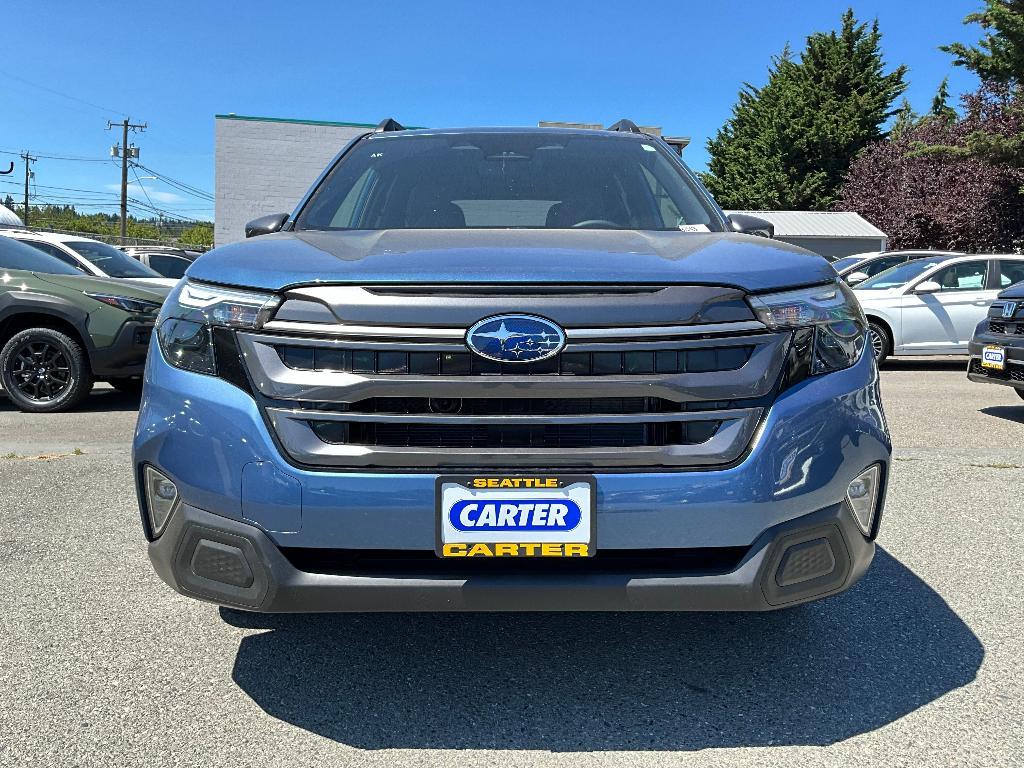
<point x="44" y="370"/>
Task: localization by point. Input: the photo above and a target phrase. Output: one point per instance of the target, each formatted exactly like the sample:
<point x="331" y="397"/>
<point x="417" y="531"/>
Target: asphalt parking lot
<point x="922" y="663"/>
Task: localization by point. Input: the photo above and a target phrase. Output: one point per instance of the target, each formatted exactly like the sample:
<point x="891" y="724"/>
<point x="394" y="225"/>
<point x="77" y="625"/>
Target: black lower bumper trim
<point x="278" y="585"/>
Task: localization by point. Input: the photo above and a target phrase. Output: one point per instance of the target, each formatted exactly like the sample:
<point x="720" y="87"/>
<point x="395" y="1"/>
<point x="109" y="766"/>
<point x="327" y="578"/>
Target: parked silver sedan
<point x="859" y="267"/>
<point x="931" y="306"/>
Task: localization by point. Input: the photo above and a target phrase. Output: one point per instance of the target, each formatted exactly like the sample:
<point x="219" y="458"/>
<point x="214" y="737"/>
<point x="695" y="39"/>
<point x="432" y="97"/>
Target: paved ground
<point x="920" y="664"/>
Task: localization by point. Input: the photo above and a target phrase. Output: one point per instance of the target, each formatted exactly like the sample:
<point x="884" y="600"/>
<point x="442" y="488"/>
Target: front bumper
<point x="208" y="436"/>
<point x="1013" y="374"/>
<point x="233" y="563"/>
<point x="127" y="355"/>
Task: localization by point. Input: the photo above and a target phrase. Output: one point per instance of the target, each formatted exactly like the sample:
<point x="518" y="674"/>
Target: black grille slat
<point x="495" y="435"/>
<point x="616" y="363"/>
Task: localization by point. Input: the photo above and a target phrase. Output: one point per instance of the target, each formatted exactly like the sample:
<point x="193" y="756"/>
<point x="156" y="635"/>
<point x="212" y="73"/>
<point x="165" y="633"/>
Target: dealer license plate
<point x="993" y="357"/>
<point x="515" y="516"/>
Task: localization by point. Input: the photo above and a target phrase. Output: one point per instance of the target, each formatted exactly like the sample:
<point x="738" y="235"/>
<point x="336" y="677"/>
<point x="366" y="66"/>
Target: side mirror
<point x="266" y="225"/>
<point x="856" y="277"/>
<point x="928" y="286"/>
<point x="746" y="224"/>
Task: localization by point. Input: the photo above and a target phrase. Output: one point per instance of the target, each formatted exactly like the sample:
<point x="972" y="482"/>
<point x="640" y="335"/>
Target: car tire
<point x="130" y="385"/>
<point x="881" y="343"/>
<point x="62" y="377"/>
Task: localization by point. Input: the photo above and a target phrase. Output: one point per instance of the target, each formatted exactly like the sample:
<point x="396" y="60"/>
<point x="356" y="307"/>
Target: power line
<point x="61" y="93"/>
<point x="61" y="157"/>
<point x="180" y="185"/>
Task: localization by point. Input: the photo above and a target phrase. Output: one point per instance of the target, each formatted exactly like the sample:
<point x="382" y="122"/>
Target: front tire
<point x="43" y="370"/>
<point x="881" y="343"/>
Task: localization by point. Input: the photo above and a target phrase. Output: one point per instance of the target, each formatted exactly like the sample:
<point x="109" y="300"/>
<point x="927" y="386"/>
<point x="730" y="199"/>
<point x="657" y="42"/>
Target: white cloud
<point x="136" y="190"/>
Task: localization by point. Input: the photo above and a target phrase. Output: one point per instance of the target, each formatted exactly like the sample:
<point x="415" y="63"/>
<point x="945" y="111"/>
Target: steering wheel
<point x="596" y="223"/>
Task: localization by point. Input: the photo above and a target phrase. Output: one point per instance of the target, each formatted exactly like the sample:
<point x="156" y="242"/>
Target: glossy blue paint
<point x="489" y="256"/>
<point x="817" y="436"/>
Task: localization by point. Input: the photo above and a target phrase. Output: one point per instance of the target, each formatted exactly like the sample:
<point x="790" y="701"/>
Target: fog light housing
<point x="161" y="499"/>
<point x="862" y="496"/>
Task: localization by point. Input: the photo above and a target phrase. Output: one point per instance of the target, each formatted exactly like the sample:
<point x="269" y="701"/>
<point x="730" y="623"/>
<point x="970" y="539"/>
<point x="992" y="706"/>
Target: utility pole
<point x="28" y="174"/>
<point x="126" y="153"/>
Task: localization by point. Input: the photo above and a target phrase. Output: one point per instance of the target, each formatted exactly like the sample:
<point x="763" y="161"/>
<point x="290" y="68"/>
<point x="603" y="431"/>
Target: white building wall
<point x="265" y="166"/>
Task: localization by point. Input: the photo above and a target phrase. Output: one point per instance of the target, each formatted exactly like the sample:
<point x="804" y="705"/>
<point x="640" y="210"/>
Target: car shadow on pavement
<point x="813" y="675"/>
<point x="98" y="401"/>
<point x="1008" y="412"/>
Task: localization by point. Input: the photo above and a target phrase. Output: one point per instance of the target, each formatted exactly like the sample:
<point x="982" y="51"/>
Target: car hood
<point x="115" y="286"/>
<point x="1015" y="291"/>
<point x="286" y="259"/>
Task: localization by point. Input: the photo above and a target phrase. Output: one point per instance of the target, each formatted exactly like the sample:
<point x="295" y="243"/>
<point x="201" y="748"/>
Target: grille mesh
<point x="628" y="363"/>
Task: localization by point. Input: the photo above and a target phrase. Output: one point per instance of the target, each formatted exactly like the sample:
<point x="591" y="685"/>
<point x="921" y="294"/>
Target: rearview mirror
<point x="746" y="224"/>
<point x="856" y="277"/>
<point x="928" y="286"/>
<point x="266" y="225"/>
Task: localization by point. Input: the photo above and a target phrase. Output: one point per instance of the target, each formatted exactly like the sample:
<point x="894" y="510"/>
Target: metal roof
<point x="839" y="224"/>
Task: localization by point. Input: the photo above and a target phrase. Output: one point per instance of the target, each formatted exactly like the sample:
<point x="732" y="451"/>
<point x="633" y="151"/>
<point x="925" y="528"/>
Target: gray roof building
<point x="833" y="234"/>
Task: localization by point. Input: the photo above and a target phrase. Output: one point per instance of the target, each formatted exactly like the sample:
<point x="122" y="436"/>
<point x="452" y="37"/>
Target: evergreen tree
<point x="999" y="56"/>
<point x="789" y="143"/>
<point x="940" y="103"/>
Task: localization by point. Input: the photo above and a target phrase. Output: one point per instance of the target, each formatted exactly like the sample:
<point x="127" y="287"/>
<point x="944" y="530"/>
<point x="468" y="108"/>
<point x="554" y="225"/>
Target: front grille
<point x="701" y="561"/>
<point x="615" y="363"/>
<point x="514" y="435"/>
<point x="1012" y="372"/>
<point x="996" y="326"/>
<point x="679" y="377"/>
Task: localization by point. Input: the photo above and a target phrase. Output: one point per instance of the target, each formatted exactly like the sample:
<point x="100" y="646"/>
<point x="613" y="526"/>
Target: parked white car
<point x="859" y="267"/>
<point x="931" y="306"/>
<point x="89" y="256"/>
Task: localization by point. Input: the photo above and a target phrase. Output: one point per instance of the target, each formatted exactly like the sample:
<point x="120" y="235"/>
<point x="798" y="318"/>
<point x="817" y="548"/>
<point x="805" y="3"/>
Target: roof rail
<point x="625" y="126"/>
<point x="388" y="124"/>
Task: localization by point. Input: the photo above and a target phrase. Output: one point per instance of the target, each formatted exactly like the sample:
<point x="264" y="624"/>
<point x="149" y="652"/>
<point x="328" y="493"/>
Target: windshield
<point x="898" y="275"/>
<point x="529" y="180"/>
<point x="849" y="261"/>
<point x="15" y="255"/>
<point x="109" y="260"/>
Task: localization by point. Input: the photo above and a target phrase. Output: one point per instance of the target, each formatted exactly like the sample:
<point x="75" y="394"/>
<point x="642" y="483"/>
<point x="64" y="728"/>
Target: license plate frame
<point x="993" y="357"/>
<point x="567" y="489"/>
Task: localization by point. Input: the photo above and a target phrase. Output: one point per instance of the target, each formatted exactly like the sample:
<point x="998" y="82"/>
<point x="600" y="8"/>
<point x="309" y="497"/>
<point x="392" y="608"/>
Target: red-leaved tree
<point x="926" y="188"/>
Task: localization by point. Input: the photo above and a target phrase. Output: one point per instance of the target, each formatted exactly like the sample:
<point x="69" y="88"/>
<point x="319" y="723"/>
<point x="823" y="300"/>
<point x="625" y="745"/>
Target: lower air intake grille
<point x="514" y="435"/>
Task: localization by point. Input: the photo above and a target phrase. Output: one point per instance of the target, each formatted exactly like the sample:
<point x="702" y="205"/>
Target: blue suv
<point x="510" y="369"/>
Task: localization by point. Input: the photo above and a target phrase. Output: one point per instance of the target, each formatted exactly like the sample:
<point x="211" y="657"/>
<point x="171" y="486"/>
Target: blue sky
<point x="678" y="65"/>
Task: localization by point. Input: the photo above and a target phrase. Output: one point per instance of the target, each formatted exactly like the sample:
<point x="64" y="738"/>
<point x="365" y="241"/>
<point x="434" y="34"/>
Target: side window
<point x="1010" y="272"/>
<point x="56" y="252"/>
<point x="168" y="266"/>
<point x="968" y="276"/>
<point x="883" y="264"/>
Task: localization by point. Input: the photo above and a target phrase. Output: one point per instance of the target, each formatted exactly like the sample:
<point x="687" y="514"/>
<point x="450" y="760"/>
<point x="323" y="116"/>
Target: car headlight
<point x="127" y="303"/>
<point x="830" y="312"/>
<point x="191" y="312"/>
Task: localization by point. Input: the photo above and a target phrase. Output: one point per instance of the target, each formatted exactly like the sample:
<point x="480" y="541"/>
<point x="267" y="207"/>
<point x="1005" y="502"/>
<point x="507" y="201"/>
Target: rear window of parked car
<point x="15" y="255"/>
<point x="1010" y="272"/>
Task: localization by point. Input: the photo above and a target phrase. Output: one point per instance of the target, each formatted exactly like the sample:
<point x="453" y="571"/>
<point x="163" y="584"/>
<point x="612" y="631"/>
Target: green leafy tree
<point x="998" y="60"/>
<point x="999" y="56"/>
<point x="201" y="234"/>
<point x="789" y="143"/>
<point x="940" y="103"/>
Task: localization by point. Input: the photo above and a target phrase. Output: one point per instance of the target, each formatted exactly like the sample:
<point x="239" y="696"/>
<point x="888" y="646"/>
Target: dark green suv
<point x="60" y="331"/>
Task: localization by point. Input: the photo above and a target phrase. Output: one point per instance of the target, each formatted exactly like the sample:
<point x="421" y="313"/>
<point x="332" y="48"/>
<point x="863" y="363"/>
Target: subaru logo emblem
<point x="515" y="338"/>
<point x="1009" y="309"/>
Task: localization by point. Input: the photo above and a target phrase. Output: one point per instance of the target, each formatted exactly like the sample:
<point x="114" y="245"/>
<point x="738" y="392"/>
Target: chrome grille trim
<point x="341" y="330"/>
<point x="277" y="381"/>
